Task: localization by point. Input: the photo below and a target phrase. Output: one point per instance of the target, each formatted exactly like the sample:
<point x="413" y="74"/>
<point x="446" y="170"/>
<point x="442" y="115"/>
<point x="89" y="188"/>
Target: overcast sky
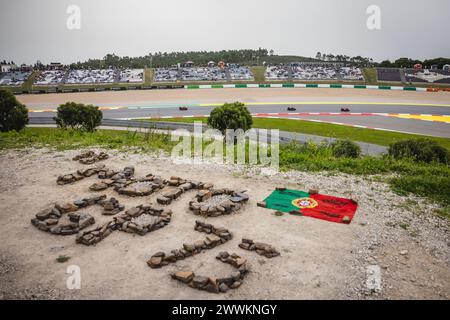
<point x="36" y="29"/>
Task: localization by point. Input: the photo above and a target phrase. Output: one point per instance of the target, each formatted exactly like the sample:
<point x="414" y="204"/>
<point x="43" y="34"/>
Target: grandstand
<point x="50" y="77"/>
<point x="203" y="74"/>
<point x="299" y="71"/>
<point x="240" y="73"/>
<point x="131" y="76"/>
<point x="351" y="73"/>
<point x="165" y="75"/>
<point x="190" y="74"/>
<point x="314" y="72"/>
<point x="91" y="76"/>
<point x="427" y="76"/>
<point x="14" y="78"/>
<point x="389" y="74"/>
<point x="277" y="73"/>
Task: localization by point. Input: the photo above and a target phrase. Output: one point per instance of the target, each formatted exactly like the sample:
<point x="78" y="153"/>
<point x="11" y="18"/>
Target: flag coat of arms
<point x="318" y="206"/>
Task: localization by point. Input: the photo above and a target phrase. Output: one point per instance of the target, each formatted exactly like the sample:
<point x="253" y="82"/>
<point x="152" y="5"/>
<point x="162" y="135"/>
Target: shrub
<point x="345" y="148"/>
<point x="425" y="150"/>
<point x="230" y="116"/>
<point x="78" y="116"/>
<point x="13" y="114"/>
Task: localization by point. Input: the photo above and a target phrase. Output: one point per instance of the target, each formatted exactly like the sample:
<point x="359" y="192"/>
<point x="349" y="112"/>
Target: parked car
<point x="291" y="109"/>
<point x="182" y="108"/>
<point x="345" y="109"/>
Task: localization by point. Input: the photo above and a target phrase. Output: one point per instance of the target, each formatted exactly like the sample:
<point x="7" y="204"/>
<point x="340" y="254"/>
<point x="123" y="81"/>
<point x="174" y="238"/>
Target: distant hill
<point x="246" y="57"/>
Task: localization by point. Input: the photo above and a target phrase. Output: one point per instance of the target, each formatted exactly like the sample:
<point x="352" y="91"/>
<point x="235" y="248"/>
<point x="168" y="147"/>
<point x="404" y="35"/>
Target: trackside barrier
<point x="240" y="85"/>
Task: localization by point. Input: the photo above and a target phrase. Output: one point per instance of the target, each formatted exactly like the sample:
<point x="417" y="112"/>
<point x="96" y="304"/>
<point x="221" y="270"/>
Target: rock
<point x="98" y="186"/>
<point x="200" y="281"/>
<point x="404" y="252"/>
<point x="174" y="183"/>
<point x="212" y="287"/>
<point x="199" y="244"/>
<point x="133" y="212"/>
<point x="67" y="207"/>
<point x="173" y="194"/>
<point x="223" y="255"/>
<point x="313" y="191"/>
<point x="236" y="285"/>
<point x="208" y="186"/>
<point x="45" y="213"/>
<point x="213" y="238"/>
<point x="155" y="262"/>
<point x="261" y="204"/>
<point x="186" y="186"/>
<point x="188" y="247"/>
<point x="239" y="262"/>
<point x="223" y="287"/>
<point x="80" y="203"/>
<point x="163" y="200"/>
<point x="184" y="276"/>
<point x="346" y="219"/>
<point x="159" y="254"/>
<point x="280" y="188"/>
<point x="51" y="222"/>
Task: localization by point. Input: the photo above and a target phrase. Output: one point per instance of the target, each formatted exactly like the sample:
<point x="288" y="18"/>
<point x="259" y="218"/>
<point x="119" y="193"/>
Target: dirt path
<point x="318" y="259"/>
<point x="123" y="98"/>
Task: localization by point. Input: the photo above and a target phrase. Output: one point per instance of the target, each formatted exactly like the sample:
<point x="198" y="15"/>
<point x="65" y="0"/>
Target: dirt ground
<point x="319" y="259"/>
<point x="183" y="96"/>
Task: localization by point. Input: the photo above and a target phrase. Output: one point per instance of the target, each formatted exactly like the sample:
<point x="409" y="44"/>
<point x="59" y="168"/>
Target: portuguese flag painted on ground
<point x="318" y="206"/>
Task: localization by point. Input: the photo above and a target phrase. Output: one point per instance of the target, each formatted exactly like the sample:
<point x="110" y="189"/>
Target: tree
<point x="386" y="64"/>
<point x="78" y="116"/>
<point x="230" y="116"/>
<point x="13" y="114"/>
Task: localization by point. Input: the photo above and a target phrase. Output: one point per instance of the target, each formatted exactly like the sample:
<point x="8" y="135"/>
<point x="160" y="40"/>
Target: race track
<point x="410" y="112"/>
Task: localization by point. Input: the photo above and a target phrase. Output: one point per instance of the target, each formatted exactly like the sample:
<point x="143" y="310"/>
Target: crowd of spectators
<point x="351" y="73"/>
<point x="14" y="78"/>
<point x="166" y="75"/>
<point x="203" y="74"/>
<point x="277" y="73"/>
<point x="314" y="72"/>
<point x="131" y="76"/>
<point x="91" y="76"/>
<point x="50" y="77"/>
<point x="240" y="73"/>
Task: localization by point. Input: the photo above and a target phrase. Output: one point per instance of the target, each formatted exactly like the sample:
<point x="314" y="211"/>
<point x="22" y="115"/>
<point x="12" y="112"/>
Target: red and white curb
<point x="283" y="115"/>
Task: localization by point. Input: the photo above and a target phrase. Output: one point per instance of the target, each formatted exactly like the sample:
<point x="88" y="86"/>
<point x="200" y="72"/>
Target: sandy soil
<point x="123" y="98"/>
<point x="319" y="259"/>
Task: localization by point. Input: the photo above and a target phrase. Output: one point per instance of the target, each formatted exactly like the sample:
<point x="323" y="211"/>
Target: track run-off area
<point x="423" y="113"/>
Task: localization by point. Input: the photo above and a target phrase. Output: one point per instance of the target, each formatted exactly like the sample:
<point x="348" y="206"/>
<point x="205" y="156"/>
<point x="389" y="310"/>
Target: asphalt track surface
<point x="421" y="118"/>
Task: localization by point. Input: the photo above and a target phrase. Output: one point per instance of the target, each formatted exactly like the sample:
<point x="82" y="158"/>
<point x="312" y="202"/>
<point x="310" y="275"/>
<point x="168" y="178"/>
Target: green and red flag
<point x="318" y="206"/>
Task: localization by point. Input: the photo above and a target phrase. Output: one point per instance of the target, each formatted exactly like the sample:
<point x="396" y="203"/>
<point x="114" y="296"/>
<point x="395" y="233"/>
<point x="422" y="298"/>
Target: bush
<point x="345" y="148"/>
<point x="424" y="150"/>
<point x="13" y="114"/>
<point x="78" y="116"/>
<point x="230" y="116"/>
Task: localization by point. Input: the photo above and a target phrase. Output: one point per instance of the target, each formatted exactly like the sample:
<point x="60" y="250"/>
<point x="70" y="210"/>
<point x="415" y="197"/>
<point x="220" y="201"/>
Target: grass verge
<point x="382" y="138"/>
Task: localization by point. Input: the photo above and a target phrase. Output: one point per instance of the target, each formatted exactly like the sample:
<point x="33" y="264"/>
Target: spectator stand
<point x="14" y="78"/>
<point x="388" y="75"/>
<point x="427" y="76"/>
